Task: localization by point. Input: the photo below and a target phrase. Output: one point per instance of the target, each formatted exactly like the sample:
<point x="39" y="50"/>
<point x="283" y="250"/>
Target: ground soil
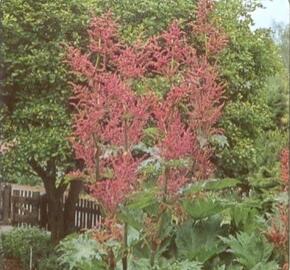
<point x="12" y="264"/>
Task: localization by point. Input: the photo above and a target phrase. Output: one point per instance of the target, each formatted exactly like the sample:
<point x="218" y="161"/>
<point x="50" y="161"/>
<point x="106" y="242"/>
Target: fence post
<point x="6" y="203"/>
<point x="43" y="212"/>
<point x="35" y="207"/>
<point x="16" y="209"/>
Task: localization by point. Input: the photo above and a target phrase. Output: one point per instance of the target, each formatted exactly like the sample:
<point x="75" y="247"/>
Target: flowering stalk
<point x="110" y="117"/>
<point x="125" y="237"/>
<point x="97" y="157"/>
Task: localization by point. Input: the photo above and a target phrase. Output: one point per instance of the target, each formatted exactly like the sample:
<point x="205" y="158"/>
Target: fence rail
<point x="24" y="205"/>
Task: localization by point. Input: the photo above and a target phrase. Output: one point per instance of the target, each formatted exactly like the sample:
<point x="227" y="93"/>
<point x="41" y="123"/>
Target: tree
<point x="34" y="99"/>
<point x="250" y="118"/>
<point x="111" y="117"/>
<point x="142" y="19"/>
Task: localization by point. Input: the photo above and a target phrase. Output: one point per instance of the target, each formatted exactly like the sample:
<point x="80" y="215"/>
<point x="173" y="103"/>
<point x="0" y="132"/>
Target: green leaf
<point x="205" y="207"/>
<point x="199" y="241"/>
<point x="80" y="252"/>
<point x="183" y="265"/>
<point x="142" y="264"/>
<point x="133" y="236"/>
<point x="213" y="185"/>
<point x="249" y="249"/>
<point x="221" y="140"/>
<point x="266" y="266"/>
<point x="134" y="217"/>
<point x="143" y="199"/>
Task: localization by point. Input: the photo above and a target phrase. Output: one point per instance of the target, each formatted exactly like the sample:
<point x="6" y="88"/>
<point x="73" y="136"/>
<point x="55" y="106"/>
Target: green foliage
<point x="243" y="217"/>
<point x="213" y="185"/>
<point x="80" y="253"/>
<point x="267" y="266"/>
<point x="180" y="265"/>
<point x="281" y="37"/>
<point x="276" y="97"/>
<point x="35" y="91"/>
<point x="249" y="60"/>
<point x="144" y="264"/>
<point x="18" y="243"/>
<point x="134" y="217"/>
<point x="204" y="207"/>
<point x="251" y="250"/>
<point x="244" y="122"/>
<point x="142" y="199"/>
<point x="141" y="19"/>
<point x="50" y="263"/>
<point x="251" y="56"/>
<point x="199" y="241"/>
<point x="184" y="265"/>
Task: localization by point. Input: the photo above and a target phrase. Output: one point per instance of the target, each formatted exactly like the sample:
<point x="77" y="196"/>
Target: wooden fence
<point x="25" y="205"/>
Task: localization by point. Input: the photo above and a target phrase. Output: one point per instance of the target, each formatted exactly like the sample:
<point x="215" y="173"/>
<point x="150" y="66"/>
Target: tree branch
<point x="38" y="169"/>
<point x="47" y="179"/>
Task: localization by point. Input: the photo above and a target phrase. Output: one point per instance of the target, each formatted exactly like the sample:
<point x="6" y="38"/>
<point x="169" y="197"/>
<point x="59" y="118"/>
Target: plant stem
<point x="97" y="158"/>
<point x="152" y="255"/>
<point x="166" y="175"/>
<point x="111" y="259"/>
<point x="125" y="254"/>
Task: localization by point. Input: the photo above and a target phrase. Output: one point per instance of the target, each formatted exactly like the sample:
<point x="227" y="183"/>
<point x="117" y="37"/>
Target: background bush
<point x="18" y="242"/>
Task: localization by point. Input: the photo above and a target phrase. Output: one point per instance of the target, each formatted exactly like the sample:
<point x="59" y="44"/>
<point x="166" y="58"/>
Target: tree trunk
<point x="70" y="206"/>
<point x="56" y="220"/>
<point x="60" y="214"/>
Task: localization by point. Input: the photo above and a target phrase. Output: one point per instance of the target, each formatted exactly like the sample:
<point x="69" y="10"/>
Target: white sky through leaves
<point x="274" y="11"/>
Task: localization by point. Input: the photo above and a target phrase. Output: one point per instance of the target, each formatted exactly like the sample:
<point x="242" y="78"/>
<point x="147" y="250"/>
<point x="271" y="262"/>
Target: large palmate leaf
<point x="81" y="252"/>
<point x="213" y="185"/>
<point x="144" y="264"/>
<point x="182" y="265"/>
<point x="139" y="263"/>
<point x="249" y="249"/>
<point x="242" y="217"/>
<point x="266" y="266"/>
<point x="205" y="207"/>
<point x="199" y="241"/>
<point x="134" y="217"/>
<point x="141" y="200"/>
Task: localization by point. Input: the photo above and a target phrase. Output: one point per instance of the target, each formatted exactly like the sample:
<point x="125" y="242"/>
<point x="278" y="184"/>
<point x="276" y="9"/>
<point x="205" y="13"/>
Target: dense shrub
<point x="19" y="241"/>
<point x="49" y="263"/>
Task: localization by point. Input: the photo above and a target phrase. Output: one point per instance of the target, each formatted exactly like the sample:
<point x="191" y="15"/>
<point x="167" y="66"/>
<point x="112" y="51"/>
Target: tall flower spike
<point x="178" y="140"/>
<point x="103" y="33"/>
<point x="285" y="167"/>
<point x="167" y="52"/>
<point x="111" y="192"/>
<point x="131" y="62"/>
<point x="215" y="39"/>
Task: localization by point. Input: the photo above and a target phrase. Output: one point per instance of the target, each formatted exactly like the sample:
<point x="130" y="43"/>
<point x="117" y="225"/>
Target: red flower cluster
<point x="214" y="39"/>
<point x="278" y="233"/>
<point x="111" y="116"/>
<point x="285" y="167"/>
<point x="112" y="192"/>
